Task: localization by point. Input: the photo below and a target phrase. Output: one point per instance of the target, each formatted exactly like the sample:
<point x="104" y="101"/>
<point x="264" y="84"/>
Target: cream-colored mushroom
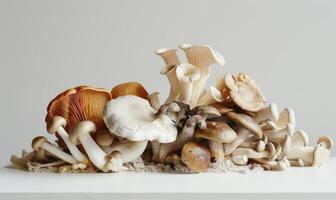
<point x="269" y="113"/>
<point x="171" y="61"/>
<point x="213" y="95"/>
<point x="202" y="56"/>
<point x="268" y="153"/>
<point x="154" y="100"/>
<point x="287" y="116"/>
<point x="187" y="74"/>
<point x="133" y="118"/>
<point x="313" y="156"/>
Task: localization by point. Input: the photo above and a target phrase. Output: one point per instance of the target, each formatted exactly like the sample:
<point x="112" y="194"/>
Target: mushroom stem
<point x="250" y="153"/>
<point x="258" y="145"/>
<point x="186" y="135"/>
<point x="170" y="72"/>
<point x="216" y="150"/>
<point x="213" y="95"/>
<point x="130" y="151"/>
<point x="269" y="113"/>
<point x="42" y="143"/>
<point x="57" y="126"/>
<point x="154" y="100"/>
<point x="201" y="56"/>
<point x="242" y="136"/>
<point x="187" y="74"/>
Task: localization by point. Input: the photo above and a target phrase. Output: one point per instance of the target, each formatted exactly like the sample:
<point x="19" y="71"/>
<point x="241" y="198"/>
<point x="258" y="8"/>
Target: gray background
<point x="288" y="47"/>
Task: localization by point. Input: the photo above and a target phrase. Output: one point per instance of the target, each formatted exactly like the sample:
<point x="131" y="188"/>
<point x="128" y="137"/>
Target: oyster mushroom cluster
<point x="100" y="130"/>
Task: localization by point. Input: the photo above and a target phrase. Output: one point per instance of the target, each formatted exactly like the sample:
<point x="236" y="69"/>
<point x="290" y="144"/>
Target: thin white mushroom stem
<point x="243" y="134"/>
<point x="130" y="150"/>
<point x="42" y="142"/>
<point x="169" y="56"/>
<point x="216" y="150"/>
<point x="213" y="95"/>
<point x="170" y="72"/>
<point x="201" y="56"/>
<point x="81" y="134"/>
<point x="187" y="74"/>
<point x="57" y="126"/>
<point x="186" y="135"/>
<point x="154" y="100"/>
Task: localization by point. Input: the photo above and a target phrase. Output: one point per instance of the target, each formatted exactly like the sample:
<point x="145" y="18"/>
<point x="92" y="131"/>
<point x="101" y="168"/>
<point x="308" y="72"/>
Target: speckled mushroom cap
<point x="217" y="131"/>
<point x="83" y="103"/>
<point x="244" y="92"/>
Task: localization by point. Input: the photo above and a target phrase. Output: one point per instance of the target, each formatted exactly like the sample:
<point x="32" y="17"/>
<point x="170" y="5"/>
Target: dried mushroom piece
<point x="244" y="92"/>
<point x="78" y="104"/>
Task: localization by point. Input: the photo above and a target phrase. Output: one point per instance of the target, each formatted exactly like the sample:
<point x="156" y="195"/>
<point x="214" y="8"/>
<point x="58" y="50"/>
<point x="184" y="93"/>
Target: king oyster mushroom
<point x="133" y="118"/>
<point x="78" y="104"/>
<point x="201" y="56"/>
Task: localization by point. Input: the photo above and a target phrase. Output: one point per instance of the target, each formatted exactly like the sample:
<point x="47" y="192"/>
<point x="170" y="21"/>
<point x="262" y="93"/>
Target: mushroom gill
<point x="79" y="104"/>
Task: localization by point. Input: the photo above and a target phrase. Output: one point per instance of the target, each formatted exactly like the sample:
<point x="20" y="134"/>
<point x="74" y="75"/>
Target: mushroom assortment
<point x="195" y="129"/>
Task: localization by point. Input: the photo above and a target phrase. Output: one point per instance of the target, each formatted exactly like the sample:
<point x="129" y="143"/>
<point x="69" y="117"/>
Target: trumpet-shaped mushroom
<point x="186" y="134"/>
<point x="217" y="133"/>
<point x="41" y="142"/>
<point x="244" y="92"/>
<point x="154" y="100"/>
<point x="57" y="125"/>
<point x="170" y="72"/>
<point x="81" y="135"/>
<point x="130" y="88"/>
<point x="133" y="118"/>
<point x="213" y="95"/>
<point x="187" y="74"/>
<point x="202" y="56"/>
<point x="313" y="156"/>
<point x="169" y="56"/>
<point x="79" y="104"/>
<point x="287" y="116"/>
<point x="280" y="134"/>
<point x="269" y="113"/>
<point x="196" y="156"/>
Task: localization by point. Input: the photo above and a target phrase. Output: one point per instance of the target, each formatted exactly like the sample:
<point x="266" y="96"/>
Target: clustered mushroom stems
<point x="194" y="127"/>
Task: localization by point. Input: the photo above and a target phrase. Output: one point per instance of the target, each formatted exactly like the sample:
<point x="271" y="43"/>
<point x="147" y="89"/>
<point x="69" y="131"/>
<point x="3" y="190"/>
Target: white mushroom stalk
<point x="130" y="151"/>
<point x="202" y="56"/>
<point x="187" y="74"/>
<point x="81" y="135"/>
<point x="171" y="61"/>
<point x="57" y="126"/>
<point x="211" y="96"/>
<point x="269" y="113"/>
<point x="42" y="143"/>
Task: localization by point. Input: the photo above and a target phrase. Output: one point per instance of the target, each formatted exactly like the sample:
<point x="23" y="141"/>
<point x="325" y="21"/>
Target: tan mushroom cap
<point x="247" y="122"/>
<point x="326" y="141"/>
<point x="37" y="142"/>
<point x="196" y="156"/>
<point x="104" y="138"/>
<point x="245" y="92"/>
<point x="130" y="88"/>
<point x="83" y="103"/>
<point x="217" y="131"/>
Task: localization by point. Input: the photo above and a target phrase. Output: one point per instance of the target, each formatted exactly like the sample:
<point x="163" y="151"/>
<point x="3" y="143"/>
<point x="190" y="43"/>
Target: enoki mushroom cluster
<point x="99" y="130"/>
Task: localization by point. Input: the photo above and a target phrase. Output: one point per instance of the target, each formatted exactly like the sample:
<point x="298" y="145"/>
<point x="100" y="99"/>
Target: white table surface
<point x="293" y="181"/>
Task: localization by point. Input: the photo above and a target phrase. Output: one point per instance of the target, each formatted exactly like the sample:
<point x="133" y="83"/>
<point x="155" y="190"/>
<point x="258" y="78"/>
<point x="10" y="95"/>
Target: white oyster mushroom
<point x="211" y="96"/>
<point x="133" y="118"/>
<point x="202" y="56"/>
<point x="187" y="74"/>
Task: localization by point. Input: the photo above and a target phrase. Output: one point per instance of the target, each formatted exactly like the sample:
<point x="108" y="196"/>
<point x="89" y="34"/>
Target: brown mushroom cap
<point x="246" y="122"/>
<point x="217" y="131"/>
<point x="245" y="92"/>
<point x="130" y="88"/>
<point x="37" y="142"/>
<point x="196" y="156"/>
<point x="104" y="138"/>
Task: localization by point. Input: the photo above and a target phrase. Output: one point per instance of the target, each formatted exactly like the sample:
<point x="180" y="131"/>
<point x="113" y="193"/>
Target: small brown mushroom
<point x="217" y="133"/>
<point x="104" y="138"/>
<point x="196" y="156"/>
<point x="130" y="88"/>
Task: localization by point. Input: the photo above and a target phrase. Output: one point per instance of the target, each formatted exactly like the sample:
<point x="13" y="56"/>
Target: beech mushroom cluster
<point x="196" y="128"/>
